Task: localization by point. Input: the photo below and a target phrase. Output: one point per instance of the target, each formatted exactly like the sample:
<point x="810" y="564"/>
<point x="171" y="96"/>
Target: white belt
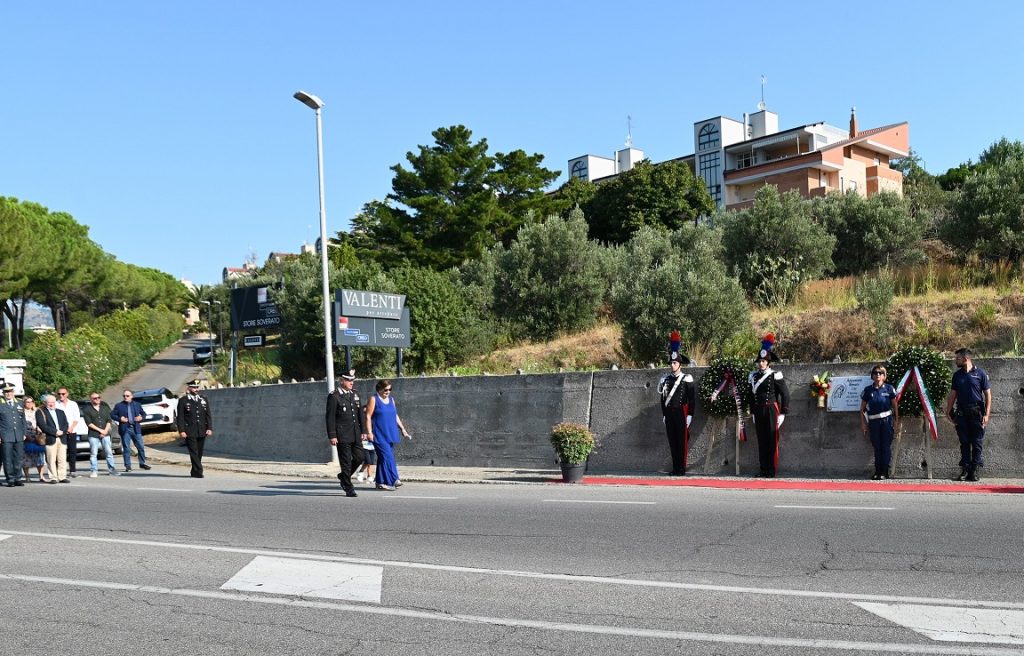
<point x="880" y="415"/>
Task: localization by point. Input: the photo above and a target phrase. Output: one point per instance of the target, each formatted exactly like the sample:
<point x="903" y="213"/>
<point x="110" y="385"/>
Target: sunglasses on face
<point x="386" y="390"/>
<point x="877" y="373"/>
<point x="127" y="396"/>
<point x="94" y="398"/>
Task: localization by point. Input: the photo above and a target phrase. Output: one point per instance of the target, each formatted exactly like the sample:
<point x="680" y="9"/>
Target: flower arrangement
<point x="820" y="385"/>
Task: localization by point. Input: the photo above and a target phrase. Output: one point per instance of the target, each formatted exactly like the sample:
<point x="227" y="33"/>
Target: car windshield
<point x="146" y="400"/>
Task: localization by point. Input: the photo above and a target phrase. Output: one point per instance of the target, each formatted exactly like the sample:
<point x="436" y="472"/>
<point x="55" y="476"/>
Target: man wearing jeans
<point x="128" y="416"/>
<point x="97" y="417"/>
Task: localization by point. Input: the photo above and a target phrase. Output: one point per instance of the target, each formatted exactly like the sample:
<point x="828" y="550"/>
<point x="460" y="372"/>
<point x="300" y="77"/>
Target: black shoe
<point x="962" y="476"/>
<point x="128" y="470"/>
<point x="351" y="493"/>
<point x="972" y="477"/>
<point x="19" y="483"/>
<point x="197" y="475"/>
<point x="63" y="480"/>
<point x="876" y="477"/>
<point x="147" y="467"/>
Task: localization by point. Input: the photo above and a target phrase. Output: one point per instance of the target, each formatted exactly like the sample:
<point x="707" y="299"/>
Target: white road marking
<point x="837" y="507"/>
<point x="162" y="489"/>
<point x="643" y="583"/>
<point x="628" y="503"/>
<point x="404" y="496"/>
<point x="955" y="624"/>
<point x="565" y="627"/>
<point x="309" y="578"/>
<point x="4" y="537"/>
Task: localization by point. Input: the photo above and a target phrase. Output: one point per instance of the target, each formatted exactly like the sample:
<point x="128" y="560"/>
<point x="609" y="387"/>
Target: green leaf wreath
<point x="934" y="370"/>
<point x="725" y="404"/>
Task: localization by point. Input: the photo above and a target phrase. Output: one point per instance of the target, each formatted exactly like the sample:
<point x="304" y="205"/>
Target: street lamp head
<point x="309" y="100"/>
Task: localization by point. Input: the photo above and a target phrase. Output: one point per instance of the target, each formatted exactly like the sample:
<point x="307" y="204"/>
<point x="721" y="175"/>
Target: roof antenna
<point x="629" y="131"/>
<point x="761" y="106"/>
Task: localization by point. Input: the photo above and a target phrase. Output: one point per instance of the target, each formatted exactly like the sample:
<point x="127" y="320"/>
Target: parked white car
<point x="160" y="407"/>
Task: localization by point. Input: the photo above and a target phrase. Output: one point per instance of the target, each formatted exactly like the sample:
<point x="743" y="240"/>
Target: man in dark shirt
<point x="96" y="416"/>
<point x="971" y="394"/>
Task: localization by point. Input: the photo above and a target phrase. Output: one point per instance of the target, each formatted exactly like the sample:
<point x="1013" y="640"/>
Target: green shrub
<point x="548" y="281"/>
<point x="673" y="281"/>
<point x="874" y="296"/>
<point x="573" y="442"/>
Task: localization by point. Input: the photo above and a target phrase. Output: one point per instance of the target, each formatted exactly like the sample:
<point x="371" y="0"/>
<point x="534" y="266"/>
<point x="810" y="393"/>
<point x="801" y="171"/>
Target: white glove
<point x="782" y="418"/>
<point x="714" y="396"/>
<point x="689" y="418"/>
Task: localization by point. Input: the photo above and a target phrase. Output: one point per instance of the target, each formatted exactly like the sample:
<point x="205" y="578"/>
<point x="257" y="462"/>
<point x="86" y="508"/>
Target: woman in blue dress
<point x="387" y="430"/>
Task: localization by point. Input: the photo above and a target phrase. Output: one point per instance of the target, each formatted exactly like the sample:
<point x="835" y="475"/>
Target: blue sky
<point x="169" y="128"/>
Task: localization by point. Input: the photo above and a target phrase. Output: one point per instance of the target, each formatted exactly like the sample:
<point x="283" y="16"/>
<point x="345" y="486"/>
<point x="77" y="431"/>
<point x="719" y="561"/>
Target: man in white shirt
<point x="75" y="427"/>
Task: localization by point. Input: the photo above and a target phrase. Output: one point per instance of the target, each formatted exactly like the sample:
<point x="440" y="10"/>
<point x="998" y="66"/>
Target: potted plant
<point x="573" y="444"/>
<point x="820" y="387"/>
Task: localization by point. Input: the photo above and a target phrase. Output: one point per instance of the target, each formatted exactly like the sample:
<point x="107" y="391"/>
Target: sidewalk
<point x="172" y="454"/>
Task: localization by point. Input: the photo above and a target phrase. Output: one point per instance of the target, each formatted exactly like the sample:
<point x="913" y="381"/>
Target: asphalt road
<point x="160" y="563"/>
<point x="171" y="368"/>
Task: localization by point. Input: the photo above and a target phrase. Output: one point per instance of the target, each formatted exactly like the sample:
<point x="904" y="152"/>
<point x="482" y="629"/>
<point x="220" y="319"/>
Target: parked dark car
<point x="202" y="354"/>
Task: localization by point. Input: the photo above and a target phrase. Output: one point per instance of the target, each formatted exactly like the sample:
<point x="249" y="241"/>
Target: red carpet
<point x="803" y="484"/>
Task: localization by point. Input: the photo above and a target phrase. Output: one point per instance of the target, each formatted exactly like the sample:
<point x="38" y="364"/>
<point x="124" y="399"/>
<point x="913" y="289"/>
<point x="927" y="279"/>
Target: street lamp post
<point x="316" y="104"/>
<point x="213" y="362"/>
<point x="209" y="328"/>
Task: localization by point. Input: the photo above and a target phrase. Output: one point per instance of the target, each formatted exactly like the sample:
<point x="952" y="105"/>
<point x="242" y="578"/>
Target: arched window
<point x="579" y="170"/>
<point x="708" y="137"/>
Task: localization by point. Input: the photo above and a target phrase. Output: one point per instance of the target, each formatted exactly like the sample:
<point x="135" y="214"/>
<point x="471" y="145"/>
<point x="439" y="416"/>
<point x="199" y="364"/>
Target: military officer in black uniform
<point x="771" y="403"/>
<point x="678" y="400"/>
<point x="194" y="424"/>
<point x="345" y="429"/>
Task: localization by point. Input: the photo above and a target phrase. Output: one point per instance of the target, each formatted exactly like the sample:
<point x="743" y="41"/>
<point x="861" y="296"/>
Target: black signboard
<point x="251" y="309"/>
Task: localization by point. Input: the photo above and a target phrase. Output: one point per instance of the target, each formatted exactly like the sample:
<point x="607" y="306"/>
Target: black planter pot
<point x="573" y="473"/>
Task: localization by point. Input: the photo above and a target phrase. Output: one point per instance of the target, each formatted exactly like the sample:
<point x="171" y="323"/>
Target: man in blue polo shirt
<point x="972" y="396"/>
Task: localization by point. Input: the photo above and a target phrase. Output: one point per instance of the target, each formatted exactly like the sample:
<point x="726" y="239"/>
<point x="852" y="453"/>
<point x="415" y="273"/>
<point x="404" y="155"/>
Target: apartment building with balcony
<point x="735" y="158"/>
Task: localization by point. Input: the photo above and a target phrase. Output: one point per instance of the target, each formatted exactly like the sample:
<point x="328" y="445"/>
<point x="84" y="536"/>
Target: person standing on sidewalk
<point x="771" y="403"/>
<point x="387" y="431"/>
<point x="195" y="424"/>
<point x="678" y="400"/>
<point x="128" y="416"/>
<point x="12" y="436"/>
<point x="54" y="423"/>
<point x="346" y="429"/>
<point x="96" y="417"/>
<point x="972" y="397"/>
<point x="879" y="413"/>
<point x="75" y="426"/>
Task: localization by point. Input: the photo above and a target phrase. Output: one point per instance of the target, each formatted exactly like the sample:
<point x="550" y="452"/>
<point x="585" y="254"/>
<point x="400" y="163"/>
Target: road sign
<point x="363" y="331"/>
<point x="251" y="341"/>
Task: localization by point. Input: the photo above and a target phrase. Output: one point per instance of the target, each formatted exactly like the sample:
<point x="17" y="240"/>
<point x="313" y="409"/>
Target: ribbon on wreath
<point x="736" y="397"/>
<point x="926" y="403"/>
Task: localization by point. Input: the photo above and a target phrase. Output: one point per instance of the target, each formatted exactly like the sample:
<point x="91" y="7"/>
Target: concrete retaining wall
<point x="504" y="421"/>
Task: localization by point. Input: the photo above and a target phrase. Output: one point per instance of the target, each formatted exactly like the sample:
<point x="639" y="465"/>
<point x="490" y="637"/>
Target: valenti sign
<point x="372" y="305"/>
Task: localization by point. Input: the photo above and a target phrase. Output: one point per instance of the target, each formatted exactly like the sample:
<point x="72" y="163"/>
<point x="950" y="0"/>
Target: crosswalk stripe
<point x="309" y="578"/>
<point x="1001" y="626"/>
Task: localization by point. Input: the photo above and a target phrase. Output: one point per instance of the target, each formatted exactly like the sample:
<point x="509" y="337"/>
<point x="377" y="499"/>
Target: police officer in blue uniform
<point x="771" y="403"/>
<point x="879" y="413"/>
<point x="969" y="407"/>
<point x="678" y="400"/>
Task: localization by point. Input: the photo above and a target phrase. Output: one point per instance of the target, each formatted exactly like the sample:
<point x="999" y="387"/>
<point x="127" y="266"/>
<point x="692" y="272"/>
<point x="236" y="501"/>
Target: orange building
<point x="736" y="158"/>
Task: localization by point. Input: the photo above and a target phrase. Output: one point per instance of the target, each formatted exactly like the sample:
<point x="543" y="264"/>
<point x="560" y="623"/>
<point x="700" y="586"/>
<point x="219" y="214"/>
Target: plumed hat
<point x="767" y="351"/>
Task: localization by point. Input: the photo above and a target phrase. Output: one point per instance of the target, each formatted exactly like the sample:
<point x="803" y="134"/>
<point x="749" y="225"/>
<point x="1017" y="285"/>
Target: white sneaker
<point x="360" y="477"/>
<point x="93" y="474"/>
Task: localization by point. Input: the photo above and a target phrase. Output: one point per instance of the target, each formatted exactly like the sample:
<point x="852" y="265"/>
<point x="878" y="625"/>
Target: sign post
<point x="364" y="318"/>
